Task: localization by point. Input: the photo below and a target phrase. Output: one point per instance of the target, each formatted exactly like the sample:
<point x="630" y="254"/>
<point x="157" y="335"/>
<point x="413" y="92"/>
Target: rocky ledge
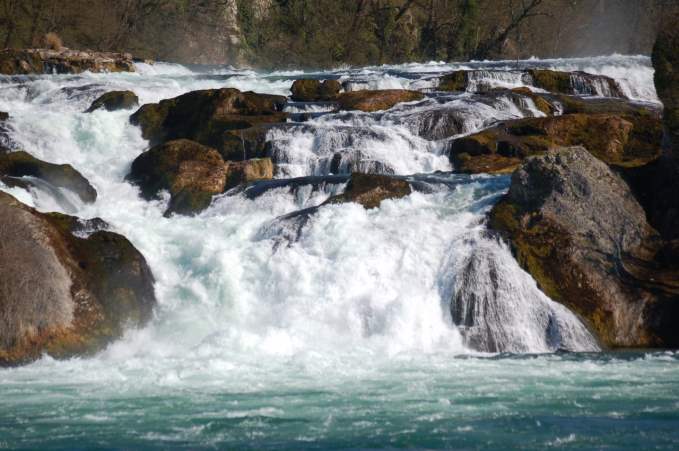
<point x="626" y="140"/>
<point x="557" y="82"/>
<point x="68" y="288"/>
<point x="576" y="226"/>
<point x="192" y="173"/>
<point x="16" y="166"/>
<point x="64" y="61"/>
<point x="228" y="120"/>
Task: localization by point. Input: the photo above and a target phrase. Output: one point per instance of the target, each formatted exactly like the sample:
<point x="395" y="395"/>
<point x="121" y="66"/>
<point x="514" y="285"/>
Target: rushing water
<point x="403" y="326"/>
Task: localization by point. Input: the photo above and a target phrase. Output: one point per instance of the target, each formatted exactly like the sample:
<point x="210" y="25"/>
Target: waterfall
<point x="417" y="275"/>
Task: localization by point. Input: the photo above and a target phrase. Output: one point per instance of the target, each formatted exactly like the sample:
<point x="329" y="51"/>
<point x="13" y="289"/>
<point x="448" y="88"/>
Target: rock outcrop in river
<point x="212" y="117"/>
<point x="68" y="288"/>
<point x="15" y="166"/>
<point x="115" y="100"/>
<point x="192" y="173"/>
<point x="625" y="140"/>
<point x="557" y="82"/>
<point x="577" y="227"/>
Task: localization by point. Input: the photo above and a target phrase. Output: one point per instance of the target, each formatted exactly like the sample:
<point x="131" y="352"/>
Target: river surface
<point x="338" y="334"/>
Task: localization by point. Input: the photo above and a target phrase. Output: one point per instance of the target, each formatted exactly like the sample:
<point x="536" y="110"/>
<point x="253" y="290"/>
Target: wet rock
<point x="21" y="164"/>
<point x="580" y="83"/>
<point x="574" y="83"/>
<point x="577" y="228"/>
<point x="294" y="185"/>
<point x="209" y="117"/>
<point x="191" y="172"/>
<point x="115" y="100"/>
<point x="63" y="61"/>
<point x="370" y="190"/>
<point x="61" y="294"/>
<point x="454" y="81"/>
<point x="6" y="142"/>
<point x="370" y="101"/>
<point x="308" y="90"/>
<point x="627" y="141"/>
<point x="238" y="172"/>
<point x="246" y="143"/>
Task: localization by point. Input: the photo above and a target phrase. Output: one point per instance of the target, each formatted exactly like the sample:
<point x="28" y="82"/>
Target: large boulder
<point x="14" y="165"/>
<point x="115" y="100"/>
<point x="624" y="140"/>
<point x="209" y="117"/>
<point x="369" y="190"/>
<point x="309" y="90"/>
<point x="62" y="61"/>
<point x="62" y="294"/>
<point x="370" y="101"/>
<point x="577" y="228"/>
<point x="191" y="172"/>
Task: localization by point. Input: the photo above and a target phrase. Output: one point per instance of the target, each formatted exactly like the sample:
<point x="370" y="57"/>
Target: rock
<point x="6" y="142"/>
<point x="580" y="83"/>
<point x="308" y="90"/>
<point x="246" y="143"/>
<point x="210" y="117"/>
<point x="657" y="185"/>
<point x="238" y="172"/>
<point x="577" y="228"/>
<point x="191" y="172"/>
<point x="115" y="100"/>
<point x="64" y="61"/>
<point x="370" y="101"/>
<point x="454" y="81"/>
<point x="61" y="294"/>
<point x="626" y="140"/>
<point x="370" y="190"/>
<point x="21" y="164"/>
<point x="665" y="59"/>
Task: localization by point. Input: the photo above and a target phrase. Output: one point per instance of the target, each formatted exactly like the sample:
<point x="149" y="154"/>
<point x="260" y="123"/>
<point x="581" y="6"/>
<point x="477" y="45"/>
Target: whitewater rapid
<point x="253" y="329"/>
<point x="401" y="278"/>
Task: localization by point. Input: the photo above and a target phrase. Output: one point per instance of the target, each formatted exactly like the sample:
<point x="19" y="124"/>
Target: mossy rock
<point x="21" y="164"/>
<point x="369" y="190"/>
<point x="454" y="81"/>
<point x="62" y="294"/>
<point x="114" y="101"/>
<point x="625" y="141"/>
<point x="246" y="171"/>
<point x="568" y="82"/>
<point x="577" y="228"/>
<point x="310" y="90"/>
<point x="191" y="172"/>
<point x="204" y="116"/>
<point x="370" y="101"/>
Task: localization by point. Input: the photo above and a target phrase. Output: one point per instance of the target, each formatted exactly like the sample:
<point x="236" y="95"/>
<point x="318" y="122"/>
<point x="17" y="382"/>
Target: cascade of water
<point x="418" y="273"/>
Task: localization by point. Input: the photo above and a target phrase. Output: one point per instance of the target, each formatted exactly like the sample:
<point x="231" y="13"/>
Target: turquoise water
<point x="570" y="401"/>
<point x="343" y="338"/>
